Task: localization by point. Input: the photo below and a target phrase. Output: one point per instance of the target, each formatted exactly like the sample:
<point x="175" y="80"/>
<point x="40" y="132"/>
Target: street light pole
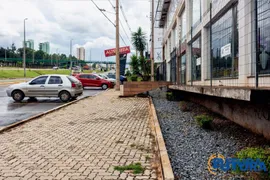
<point x="5" y="55"/>
<point x="24" y="72"/>
<point x="71" y="55"/>
<point x="117" y="87"/>
<point x="153" y="42"/>
<point x="57" y="57"/>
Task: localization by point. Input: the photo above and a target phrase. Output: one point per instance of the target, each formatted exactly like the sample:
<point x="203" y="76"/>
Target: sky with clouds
<point x="58" y="21"/>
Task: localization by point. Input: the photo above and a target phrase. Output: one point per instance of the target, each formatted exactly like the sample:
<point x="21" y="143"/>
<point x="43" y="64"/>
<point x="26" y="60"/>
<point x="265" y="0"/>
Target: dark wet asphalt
<point x="11" y="112"/>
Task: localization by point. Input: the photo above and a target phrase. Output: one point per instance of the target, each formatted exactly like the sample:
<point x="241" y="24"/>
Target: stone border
<point x="163" y="157"/>
<point x="42" y="114"/>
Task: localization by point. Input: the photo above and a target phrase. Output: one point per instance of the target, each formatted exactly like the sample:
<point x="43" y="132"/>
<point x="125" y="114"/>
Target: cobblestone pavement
<point x="85" y="140"/>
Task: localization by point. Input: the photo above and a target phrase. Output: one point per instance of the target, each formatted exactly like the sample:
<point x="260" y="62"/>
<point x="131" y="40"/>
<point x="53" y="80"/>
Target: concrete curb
<point x="166" y="169"/>
<point x="44" y="113"/>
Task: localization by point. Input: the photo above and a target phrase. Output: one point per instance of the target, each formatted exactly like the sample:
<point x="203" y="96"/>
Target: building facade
<point x="45" y="47"/>
<point x="215" y="42"/>
<point x="81" y="53"/>
<point x="30" y="44"/>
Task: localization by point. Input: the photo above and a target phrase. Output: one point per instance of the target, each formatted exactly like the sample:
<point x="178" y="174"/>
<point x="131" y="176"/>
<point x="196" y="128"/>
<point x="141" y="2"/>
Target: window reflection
<point x="225" y="45"/>
<point x="196" y="12"/>
<point x="183" y="26"/>
<point x="196" y="59"/>
<point x="264" y="36"/>
<point x="183" y="69"/>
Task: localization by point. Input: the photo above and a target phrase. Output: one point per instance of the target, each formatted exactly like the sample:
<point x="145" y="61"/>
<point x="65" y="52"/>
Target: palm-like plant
<point x="135" y="64"/>
<point x="138" y="39"/>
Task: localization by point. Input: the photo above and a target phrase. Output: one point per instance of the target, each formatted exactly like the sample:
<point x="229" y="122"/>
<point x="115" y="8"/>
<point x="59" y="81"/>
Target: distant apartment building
<point x="30" y="44"/>
<point x="81" y="53"/>
<point x="45" y="47"/>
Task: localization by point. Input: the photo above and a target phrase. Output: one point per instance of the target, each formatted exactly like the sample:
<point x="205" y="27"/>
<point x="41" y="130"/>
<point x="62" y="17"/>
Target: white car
<point x="107" y="78"/>
<point x="62" y="86"/>
<point x="55" y="68"/>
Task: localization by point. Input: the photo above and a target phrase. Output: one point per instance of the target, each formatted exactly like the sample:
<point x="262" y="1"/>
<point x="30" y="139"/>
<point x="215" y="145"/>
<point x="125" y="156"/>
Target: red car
<point x="92" y="80"/>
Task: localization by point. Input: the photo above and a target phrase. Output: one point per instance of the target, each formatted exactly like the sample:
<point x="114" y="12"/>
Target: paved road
<point x="11" y="112"/>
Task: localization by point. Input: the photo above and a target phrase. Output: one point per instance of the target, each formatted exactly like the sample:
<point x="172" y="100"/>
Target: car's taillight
<point x="73" y="85"/>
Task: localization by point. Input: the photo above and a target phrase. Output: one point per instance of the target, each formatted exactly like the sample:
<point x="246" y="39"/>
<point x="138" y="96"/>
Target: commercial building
<point x="158" y="37"/>
<point x="81" y="53"/>
<point x="219" y="49"/>
<point x="45" y="47"/>
<point x="29" y="44"/>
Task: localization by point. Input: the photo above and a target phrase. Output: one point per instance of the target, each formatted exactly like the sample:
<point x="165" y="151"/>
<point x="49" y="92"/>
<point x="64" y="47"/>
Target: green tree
<point x="138" y="40"/>
<point x="135" y="64"/>
<point x="94" y="65"/>
<point x="28" y="53"/>
<point x="63" y="57"/>
<point x="39" y="54"/>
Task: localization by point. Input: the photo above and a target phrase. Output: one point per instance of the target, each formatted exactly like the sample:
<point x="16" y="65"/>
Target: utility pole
<point x="117" y="87"/>
<point x="153" y="42"/>
<point x="33" y="56"/>
<point x="24" y="72"/>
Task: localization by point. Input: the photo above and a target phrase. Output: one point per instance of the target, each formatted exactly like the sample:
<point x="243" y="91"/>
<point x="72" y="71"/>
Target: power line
<point x="121" y="24"/>
<point x="102" y="11"/>
<point x="124" y="15"/>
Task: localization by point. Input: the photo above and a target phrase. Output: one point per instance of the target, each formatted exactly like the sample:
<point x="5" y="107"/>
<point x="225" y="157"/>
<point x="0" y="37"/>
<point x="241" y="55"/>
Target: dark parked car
<point x="122" y="78"/>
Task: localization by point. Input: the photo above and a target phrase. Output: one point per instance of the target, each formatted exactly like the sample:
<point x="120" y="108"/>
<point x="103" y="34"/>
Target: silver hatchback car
<point x="62" y="86"/>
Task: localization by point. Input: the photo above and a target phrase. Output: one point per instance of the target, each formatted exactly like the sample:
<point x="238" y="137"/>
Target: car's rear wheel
<point x="104" y="86"/>
<point x="17" y="95"/>
<point x="64" y="96"/>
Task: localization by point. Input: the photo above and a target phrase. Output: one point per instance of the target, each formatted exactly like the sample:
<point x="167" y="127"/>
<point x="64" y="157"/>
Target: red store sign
<point x="112" y="52"/>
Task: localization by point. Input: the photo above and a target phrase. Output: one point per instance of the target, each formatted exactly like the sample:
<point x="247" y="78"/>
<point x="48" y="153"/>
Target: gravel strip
<point x="190" y="146"/>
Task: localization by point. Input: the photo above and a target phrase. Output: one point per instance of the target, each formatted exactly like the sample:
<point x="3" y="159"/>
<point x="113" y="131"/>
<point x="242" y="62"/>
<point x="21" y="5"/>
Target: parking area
<point x="12" y="112"/>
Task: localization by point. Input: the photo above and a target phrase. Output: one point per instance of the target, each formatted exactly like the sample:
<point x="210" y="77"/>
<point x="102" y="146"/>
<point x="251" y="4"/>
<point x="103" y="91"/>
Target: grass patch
<point x="19" y="73"/>
<point x="170" y="96"/>
<point x="184" y="106"/>
<point x="256" y="153"/>
<point x="147" y="158"/>
<point x="132" y="145"/>
<point x="136" y="168"/>
<point x="204" y="121"/>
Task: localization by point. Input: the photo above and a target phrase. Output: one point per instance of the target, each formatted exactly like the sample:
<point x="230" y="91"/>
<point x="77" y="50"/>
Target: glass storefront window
<point x="183" y="26"/>
<point x="225" y="45"/>
<point x="264" y="36"/>
<point x="196" y="59"/>
<point x="196" y="12"/>
<point x="183" y="69"/>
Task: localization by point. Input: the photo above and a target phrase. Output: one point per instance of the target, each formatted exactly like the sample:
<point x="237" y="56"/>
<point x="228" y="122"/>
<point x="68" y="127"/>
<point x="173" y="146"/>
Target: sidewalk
<point x="13" y="81"/>
<point x="85" y="140"/>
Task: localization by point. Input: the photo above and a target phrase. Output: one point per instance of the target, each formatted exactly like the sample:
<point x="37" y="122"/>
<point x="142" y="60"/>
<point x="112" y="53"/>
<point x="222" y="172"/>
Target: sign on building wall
<point x="225" y="50"/>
